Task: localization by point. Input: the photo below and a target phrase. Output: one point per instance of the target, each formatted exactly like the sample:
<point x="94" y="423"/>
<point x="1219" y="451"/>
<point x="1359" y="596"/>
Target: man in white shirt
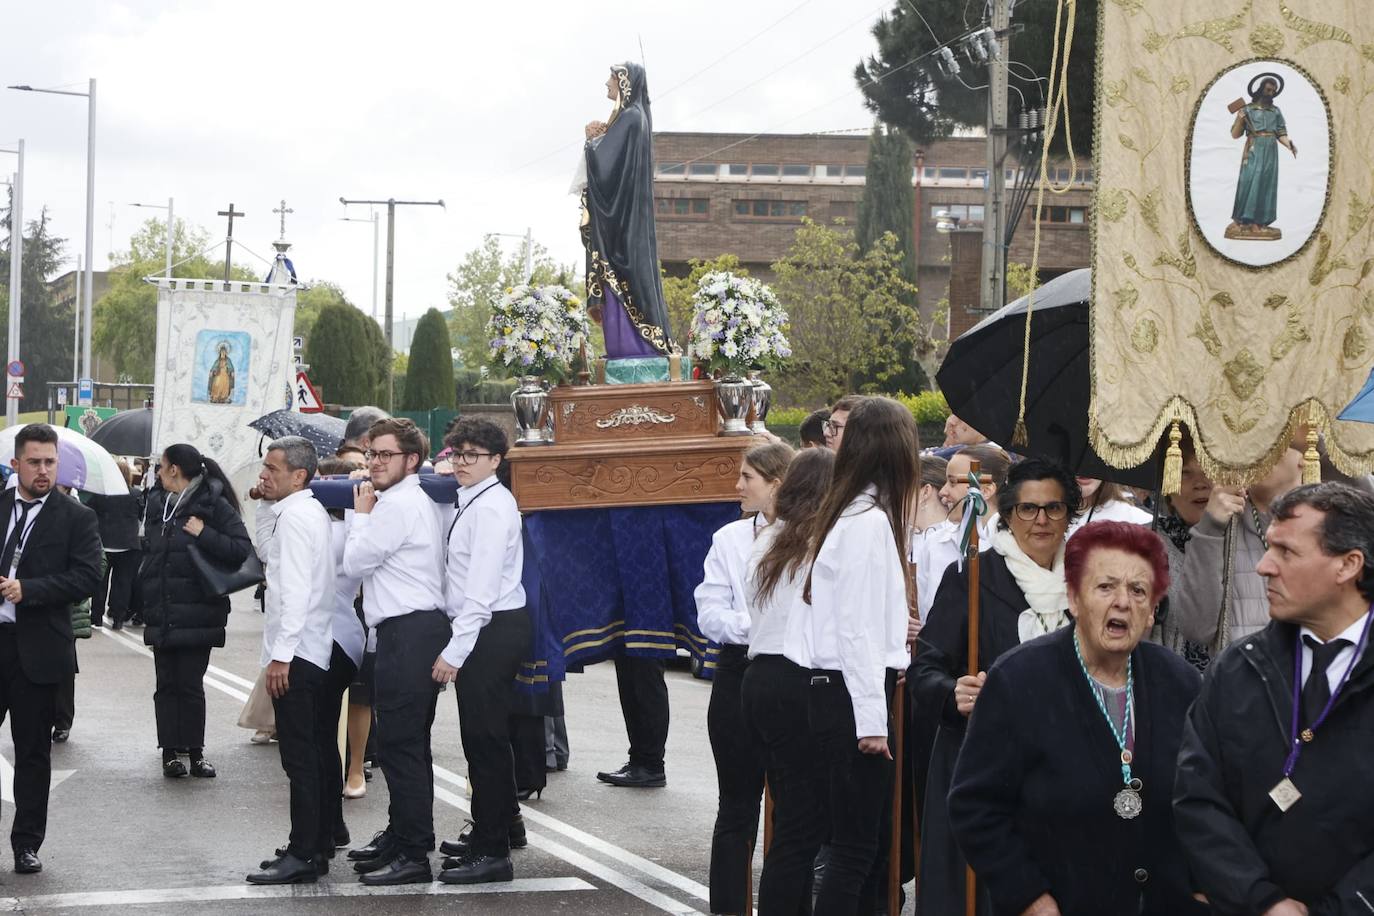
<point x="293" y="540"/>
<point x="1272" y="800"/>
<point x="491" y="635"/>
<point x="396" y="546"/>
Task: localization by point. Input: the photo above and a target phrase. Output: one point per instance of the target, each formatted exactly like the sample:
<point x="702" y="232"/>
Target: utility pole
<point x="994" y="200"/>
<point x="391" y="205"/>
<point x="16" y="276"/>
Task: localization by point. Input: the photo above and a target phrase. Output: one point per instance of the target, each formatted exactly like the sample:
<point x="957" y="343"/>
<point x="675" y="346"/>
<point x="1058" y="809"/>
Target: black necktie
<point x="12" y="542"/>
<point x="1317" y="691"/>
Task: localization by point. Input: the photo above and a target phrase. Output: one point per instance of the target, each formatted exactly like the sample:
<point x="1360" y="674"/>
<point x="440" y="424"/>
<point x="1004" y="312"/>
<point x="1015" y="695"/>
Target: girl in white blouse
<point x="723" y="616"/>
<point x="850" y="628"/>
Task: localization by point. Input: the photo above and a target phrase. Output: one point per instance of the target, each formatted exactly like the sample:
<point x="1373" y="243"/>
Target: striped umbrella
<point x="81" y="463"/>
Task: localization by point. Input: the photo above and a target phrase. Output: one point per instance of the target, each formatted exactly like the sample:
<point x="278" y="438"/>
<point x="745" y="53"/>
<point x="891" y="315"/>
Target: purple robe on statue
<point x="622" y="340"/>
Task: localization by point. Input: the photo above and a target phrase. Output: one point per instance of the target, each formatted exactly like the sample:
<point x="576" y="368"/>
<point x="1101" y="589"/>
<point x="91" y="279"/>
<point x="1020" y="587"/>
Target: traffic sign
<point x="298" y="343"/>
<point x="307" y="398"/>
<point x="16" y="391"/>
<point x="85" y="392"/>
<point x="16" y="368"/>
<point x="62" y="396"/>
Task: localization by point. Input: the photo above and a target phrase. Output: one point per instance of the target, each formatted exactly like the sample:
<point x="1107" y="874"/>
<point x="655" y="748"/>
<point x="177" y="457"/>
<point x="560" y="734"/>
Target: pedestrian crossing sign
<point x="307" y="398"/>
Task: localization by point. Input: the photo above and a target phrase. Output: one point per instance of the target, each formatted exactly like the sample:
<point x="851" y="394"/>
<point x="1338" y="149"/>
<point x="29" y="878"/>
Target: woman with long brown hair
<point x="723" y="615"/>
<point x="850" y="628"/>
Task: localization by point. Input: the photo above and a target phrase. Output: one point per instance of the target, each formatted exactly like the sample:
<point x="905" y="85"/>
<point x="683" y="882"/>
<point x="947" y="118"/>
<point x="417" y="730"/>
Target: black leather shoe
<point x="286" y="870"/>
<point x="363" y="866"/>
<point x="636" y="777"/>
<point x="320" y="860"/>
<point x="382" y="842"/>
<point x="341" y="837"/>
<point x="400" y="870"/>
<point x="203" y="769"/>
<point x="479" y="870"/>
<point x="173" y="768"/>
<point x="26" y="862"/>
<point x="463" y="845"/>
<point x="60" y="735"/>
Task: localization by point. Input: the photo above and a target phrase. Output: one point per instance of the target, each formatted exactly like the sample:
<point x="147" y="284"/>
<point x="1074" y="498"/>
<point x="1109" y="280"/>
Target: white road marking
<point x="295" y="891"/>
<point x="590" y="866"/>
<point x="639" y="863"/>
<point x="128" y="641"/>
<point x="7" y="779"/>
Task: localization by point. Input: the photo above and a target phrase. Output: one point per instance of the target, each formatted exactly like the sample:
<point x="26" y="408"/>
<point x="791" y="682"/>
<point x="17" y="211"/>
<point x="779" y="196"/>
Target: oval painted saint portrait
<point x="1259" y="162"/>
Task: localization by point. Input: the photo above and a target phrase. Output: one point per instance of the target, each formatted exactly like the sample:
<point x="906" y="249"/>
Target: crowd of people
<point x="1162" y="716"/>
<point x="1165" y="714"/>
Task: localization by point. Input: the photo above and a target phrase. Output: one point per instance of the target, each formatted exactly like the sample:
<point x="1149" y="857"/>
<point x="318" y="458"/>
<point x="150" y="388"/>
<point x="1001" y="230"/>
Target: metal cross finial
<point x="283" y="210"/>
<point x="229" y="240"/>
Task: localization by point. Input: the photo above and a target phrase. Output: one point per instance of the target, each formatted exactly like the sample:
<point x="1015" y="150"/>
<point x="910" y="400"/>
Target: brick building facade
<point x="739" y="194"/>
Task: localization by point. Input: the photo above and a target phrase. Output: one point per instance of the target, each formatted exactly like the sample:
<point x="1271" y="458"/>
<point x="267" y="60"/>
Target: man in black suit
<point x="50" y="560"/>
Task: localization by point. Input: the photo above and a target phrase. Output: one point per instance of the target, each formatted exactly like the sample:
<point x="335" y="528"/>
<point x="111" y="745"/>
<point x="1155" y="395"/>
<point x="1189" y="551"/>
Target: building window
<point x="790" y="210"/>
<point x="682" y="207"/>
<point x="703" y="168"/>
<point x="764" y="171"/>
<point x="672" y="168"/>
<point x="796" y="171"/>
<point x="832" y="171"/>
<point x="855" y="171"/>
<point x="846" y="210"/>
<point x="967" y="214"/>
<point x="1072" y="215"/>
<point x="949" y="174"/>
<point x="930" y="173"/>
<point x="737" y="168"/>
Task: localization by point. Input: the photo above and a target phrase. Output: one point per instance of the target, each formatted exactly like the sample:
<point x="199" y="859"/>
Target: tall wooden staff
<point x="970" y="508"/>
<point x="894" y="855"/>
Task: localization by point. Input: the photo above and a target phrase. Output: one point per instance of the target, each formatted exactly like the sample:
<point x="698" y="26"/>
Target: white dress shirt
<point x="856" y="621"/>
<point x="486" y="559"/>
<point x="294" y="542"/>
<point x="1344" y="658"/>
<point x="722" y="597"/>
<point x="1113" y="511"/>
<point x="933" y="552"/>
<point x="768" y="618"/>
<point x="397" y="549"/>
<point x="7" y="612"/>
<point x="348" y="629"/>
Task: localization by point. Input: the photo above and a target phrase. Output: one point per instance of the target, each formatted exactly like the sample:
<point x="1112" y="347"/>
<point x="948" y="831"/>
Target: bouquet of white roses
<point x="737" y="324"/>
<point x="536" y="330"/>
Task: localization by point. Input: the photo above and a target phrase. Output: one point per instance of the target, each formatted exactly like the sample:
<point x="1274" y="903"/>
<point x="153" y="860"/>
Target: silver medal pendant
<point x="1285" y="795"/>
<point x="1128" y="804"/>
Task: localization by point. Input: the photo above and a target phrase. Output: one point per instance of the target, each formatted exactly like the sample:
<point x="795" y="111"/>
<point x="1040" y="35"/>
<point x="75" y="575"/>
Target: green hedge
<point x="928" y="408"/>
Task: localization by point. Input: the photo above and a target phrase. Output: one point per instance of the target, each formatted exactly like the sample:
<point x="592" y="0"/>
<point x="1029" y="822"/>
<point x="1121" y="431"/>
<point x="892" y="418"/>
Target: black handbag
<point x="221" y="580"/>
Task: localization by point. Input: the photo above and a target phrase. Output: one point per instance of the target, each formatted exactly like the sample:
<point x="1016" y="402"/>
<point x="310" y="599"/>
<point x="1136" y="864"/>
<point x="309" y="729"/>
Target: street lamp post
<point x="529" y="250"/>
<point x="16" y="273"/>
<point x="171" y="229"/>
<point x="375" y="225"/>
<point x="89" y="95"/>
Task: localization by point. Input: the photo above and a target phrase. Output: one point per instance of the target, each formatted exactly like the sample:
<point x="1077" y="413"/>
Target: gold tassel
<point x="1311" y="459"/>
<point x="1019" y="436"/>
<point x="1173" y="463"/>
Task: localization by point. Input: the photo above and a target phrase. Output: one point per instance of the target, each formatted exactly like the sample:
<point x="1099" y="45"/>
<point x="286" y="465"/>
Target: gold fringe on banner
<point x="1173" y="463"/>
<point x="1312" y="459"/>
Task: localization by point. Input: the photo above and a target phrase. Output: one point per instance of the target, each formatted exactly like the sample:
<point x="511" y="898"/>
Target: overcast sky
<point x="480" y="104"/>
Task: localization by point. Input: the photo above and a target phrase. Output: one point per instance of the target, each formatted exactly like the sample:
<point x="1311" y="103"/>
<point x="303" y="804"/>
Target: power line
<point x="737" y="48"/>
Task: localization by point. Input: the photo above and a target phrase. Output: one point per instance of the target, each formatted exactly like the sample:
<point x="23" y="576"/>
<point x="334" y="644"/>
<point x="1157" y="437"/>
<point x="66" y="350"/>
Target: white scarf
<point x="1045" y="589"/>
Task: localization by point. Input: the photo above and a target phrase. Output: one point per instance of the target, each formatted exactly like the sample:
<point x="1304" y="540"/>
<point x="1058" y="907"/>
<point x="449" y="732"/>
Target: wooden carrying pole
<point x="894" y="854"/>
<point x="971" y="880"/>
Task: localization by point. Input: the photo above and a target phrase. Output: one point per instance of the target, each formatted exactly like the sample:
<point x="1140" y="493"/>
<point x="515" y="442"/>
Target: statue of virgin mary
<point x="618" y="225"/>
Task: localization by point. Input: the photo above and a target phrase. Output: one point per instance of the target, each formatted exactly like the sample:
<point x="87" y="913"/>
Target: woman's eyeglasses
<point x="832" y="428"/>
<point x="1029" y="512"/>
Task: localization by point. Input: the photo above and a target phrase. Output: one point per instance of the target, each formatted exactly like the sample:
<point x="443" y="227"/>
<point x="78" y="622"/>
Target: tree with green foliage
<point x="888" y="201"/>
<point x="853" y="327"/>
<point x="484" y="275"/>
<point x="45" y="327"/>
<point x="903" y="85"/>
<point x="349" y="359"/>
<point x="678" y="291"/>
<point x="124" y="328"/>
<point x="429" y="372"/>
<point x="316" y="295"/>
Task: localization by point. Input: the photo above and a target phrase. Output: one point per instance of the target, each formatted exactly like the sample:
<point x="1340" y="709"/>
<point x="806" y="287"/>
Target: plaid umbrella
<point x="323" y="431"/>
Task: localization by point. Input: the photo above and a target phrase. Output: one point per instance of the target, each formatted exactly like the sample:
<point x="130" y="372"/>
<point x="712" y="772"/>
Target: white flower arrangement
<point x="537" y="330"/>
<point x="737" y="324"/>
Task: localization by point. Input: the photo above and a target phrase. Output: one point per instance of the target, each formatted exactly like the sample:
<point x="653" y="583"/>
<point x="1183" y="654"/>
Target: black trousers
<point x="64" y="710"/>
<point x="299" y="716"/>
<point x="404" y="705"/>
<point x="30" y="708"/>
<point x="644" y="703"/>
<point x="116" y="589"/>
<point x="527" y="748"/>
<point x="859" y="787"/>
<point x="484" y="688"/>
<point x="775" y="693"/>
<point x="336" y="683"/>
<point x="179" y="699"/>
<point x="739" y="780"/>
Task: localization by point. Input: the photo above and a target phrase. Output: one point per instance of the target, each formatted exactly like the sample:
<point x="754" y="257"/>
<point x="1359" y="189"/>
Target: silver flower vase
<point x="763" y="399"/>
<point x="531" y="404"/>
<point x="734" y="397"/>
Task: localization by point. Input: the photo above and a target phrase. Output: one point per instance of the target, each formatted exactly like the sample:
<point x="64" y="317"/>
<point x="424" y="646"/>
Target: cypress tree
<point x="888" y="198"/>
<point x="342" y="356"/>
<point x="429" y="375"/>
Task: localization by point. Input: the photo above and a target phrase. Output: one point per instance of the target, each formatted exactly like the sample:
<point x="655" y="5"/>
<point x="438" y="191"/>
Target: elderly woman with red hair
<point x="1062" y="795"/>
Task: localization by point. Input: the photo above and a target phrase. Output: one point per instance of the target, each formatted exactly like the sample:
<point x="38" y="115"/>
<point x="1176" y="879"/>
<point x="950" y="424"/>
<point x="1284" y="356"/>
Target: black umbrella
<point x="323" y="431"/>
<point x="981" y="379"/>
<point x="129" y="432"/>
